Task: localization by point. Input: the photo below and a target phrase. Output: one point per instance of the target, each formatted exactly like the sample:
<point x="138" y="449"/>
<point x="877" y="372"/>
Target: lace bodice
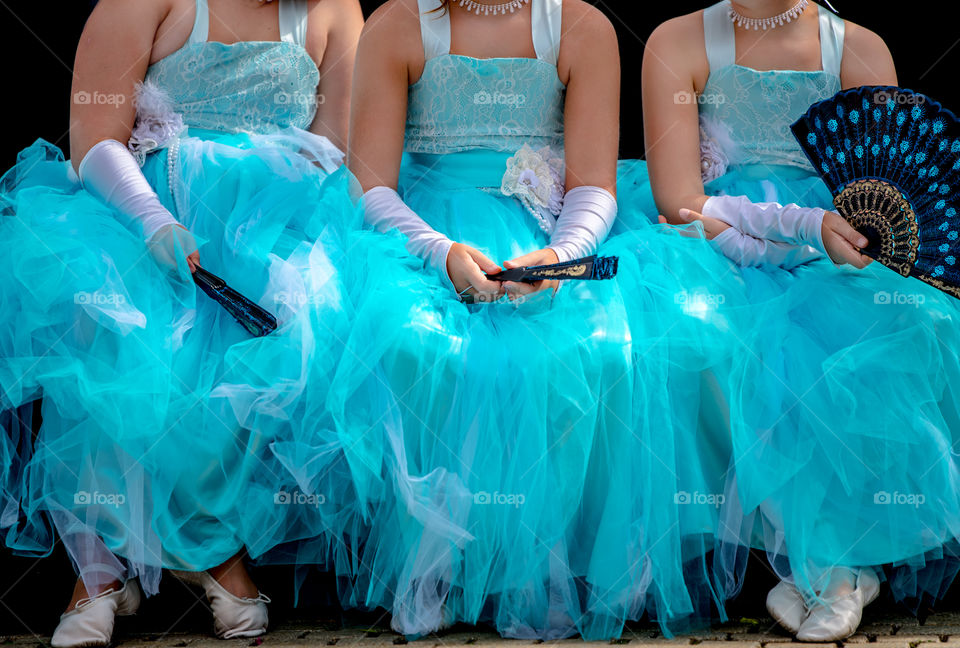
<point x="462" y="103"/>
<point x="746" y="113"/>
<point x="256" y="87"/>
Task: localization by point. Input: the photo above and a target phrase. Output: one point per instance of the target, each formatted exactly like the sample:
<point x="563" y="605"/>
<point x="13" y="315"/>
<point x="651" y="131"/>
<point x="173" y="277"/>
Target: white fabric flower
<point x="157" y="122"/>
<point x="536" y="179"/>
<point x="714" y="160"/>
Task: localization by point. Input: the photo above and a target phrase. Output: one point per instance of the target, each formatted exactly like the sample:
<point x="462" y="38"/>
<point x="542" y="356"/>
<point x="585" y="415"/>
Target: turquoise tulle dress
<point x="555" y="466"/>
<point x="170" y="437"/>
<point x="843" y="395"/>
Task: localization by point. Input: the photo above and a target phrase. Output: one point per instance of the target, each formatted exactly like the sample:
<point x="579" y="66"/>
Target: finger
<point x="483" y="285"/>
<point x="844" y="229"/>
<point x="485" y="263"/>
<point x="519" y="289"/>
<point x="530" y="259"/>
<point x="688" y="215"/>
<point x="713" y="227"/>
<point x="851" y="255"/>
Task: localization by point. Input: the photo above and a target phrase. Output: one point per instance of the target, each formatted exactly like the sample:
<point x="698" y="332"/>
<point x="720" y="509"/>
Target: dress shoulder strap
<point x="719" y="36"/>
<point x="293" y="21"/>
<point x="546" y="22"/>
<point x="434" y="28"/>
<point x="832" y="29"/>
<point x="201" y="24"/>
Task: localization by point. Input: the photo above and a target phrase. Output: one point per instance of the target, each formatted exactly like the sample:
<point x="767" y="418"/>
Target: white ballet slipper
<point x="90" y="622"/>
<point x="787" y="607"/>
<point x="841" y="617"/>
<point x="233" y="616"/>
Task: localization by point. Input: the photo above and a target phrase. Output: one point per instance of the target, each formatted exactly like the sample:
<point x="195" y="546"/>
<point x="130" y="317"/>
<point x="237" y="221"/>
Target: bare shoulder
<point x="394" y="28"/>
<point x="675" y="53"/>
<point x="336" y="11"/>
<point x="866" y="58"/>
<point x="148" y="11"/>
<point x="676" y="37"/>
<point x="582" y="20"/>
<point x="862" y="42"/>
<point x="588" y="40"/>
<point x="338" y="21"/>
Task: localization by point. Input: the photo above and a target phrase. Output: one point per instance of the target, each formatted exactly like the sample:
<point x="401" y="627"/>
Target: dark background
<point x="37" y="43"/>
<point x="38" y="39"/>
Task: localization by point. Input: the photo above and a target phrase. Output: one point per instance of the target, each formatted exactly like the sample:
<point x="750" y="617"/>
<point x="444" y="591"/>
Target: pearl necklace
<point x="768" y="23"/>
<point x="494" y="9"/>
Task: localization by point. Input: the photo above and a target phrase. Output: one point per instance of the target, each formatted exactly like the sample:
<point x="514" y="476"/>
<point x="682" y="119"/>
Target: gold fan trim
<point x="867" y="203"/>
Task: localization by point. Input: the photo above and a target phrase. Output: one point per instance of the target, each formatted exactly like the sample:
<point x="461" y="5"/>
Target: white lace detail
<point x="536" y="179"/>
<point x="715" y="143"/>
<point x="157" y="121"/>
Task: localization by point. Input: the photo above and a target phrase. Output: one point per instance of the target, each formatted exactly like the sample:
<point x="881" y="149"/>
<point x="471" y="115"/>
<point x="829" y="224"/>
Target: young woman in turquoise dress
<point x="843" y="390"/>
<point x="551" y="468"/>
<point x="201" y="135"/>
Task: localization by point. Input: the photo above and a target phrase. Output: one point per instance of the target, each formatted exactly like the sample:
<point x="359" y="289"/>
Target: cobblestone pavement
<point x="891" y="630"/>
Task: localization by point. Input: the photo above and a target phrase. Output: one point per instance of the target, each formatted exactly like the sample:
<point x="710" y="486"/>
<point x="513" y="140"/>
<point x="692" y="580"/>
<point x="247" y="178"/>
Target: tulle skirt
<point x="556" y="465"/>
<point x="843" y="411"/>
<point x="169" y="436"/>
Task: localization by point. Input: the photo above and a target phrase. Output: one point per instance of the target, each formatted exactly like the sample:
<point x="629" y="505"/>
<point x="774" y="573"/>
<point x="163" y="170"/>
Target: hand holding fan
<point x="591" y="268"/>
<point x="891" y="159"/>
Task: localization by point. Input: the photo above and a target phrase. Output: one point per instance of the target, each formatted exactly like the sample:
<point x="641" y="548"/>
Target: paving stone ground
<point x="32" y="593"/>
<point x="888" y="630"/>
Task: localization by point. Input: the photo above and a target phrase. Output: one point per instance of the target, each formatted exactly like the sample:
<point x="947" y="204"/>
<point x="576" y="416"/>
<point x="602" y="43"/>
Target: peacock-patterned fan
<point x="891" y="159"/>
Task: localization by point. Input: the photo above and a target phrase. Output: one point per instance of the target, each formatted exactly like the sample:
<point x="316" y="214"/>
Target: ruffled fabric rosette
<point x="535" y="177"/>
<point x="157" y="125"/>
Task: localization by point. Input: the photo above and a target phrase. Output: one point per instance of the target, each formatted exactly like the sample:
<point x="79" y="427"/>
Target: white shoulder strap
<point x="719" y="36"/>
<point x="434" y="28"/>
<point x="832" y="29"/>
<point x="293" y="22"/>
<point x="201" y="24"/>
<point x="546" y="18"/>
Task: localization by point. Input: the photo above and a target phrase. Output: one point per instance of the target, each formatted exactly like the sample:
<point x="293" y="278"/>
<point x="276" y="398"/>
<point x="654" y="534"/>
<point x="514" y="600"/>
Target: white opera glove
<point x="772" y="221"/>
<point x="385" y="210"/>
<point x="587" y="216"/>
<point x="749" y="251"/>
<point x="110" y="172"/>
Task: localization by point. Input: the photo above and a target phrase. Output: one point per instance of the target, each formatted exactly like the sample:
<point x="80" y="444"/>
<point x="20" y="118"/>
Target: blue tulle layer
<point x="170" y="437"/>
<point x="560" y="461"/>
<point x="843" y="411"/>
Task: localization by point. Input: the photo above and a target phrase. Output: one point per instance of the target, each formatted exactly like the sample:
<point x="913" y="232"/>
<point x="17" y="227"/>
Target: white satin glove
<point x="771" y="221"/>
<point x="110" y="172"/>
<point x="385" y="211"/>
<point x="749" y="251"/>
<point x="586" y="218"/>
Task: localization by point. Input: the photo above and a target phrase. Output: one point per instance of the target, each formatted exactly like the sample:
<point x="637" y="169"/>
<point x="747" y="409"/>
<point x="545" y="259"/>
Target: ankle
<point x="233" y="577"/>
<point x="80" y="591"/>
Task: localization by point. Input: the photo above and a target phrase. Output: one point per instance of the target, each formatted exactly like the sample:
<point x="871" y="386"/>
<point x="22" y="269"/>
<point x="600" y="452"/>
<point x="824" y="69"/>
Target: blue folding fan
<point x="891" y="159"/>
<point x="250" y="316"/>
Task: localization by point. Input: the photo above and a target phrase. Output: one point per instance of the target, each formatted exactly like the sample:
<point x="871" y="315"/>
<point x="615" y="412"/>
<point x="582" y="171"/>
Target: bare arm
<point x="590" y="58"/>
<point x="674" y="65"/>
<point x="112" y="58"/>
<point x="388" y="50"/>
<point x="389" y="58"/>
<point x="339" y="49"/>
<point x="673" y="58"/>
<point x="589" y="63"/>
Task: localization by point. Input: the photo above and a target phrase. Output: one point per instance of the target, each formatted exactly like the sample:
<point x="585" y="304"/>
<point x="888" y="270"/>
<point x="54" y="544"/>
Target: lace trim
<point x="536" y="179"/>
<point x="157" y="125"/>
